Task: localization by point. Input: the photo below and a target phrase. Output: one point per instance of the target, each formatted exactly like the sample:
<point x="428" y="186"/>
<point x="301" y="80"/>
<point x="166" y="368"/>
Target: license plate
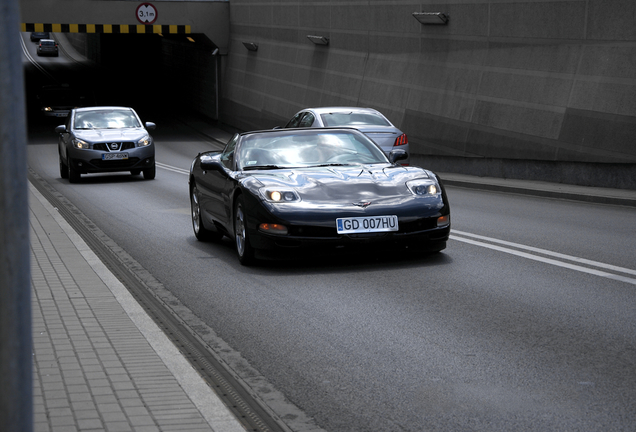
<point x="114" y="156"/>
<point x="367" y="224"/>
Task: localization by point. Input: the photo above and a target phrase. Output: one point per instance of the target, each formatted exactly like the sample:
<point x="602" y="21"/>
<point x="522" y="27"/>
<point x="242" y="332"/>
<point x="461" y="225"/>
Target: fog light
<point x="443" y="221"/>
<point x="273" y="228"/>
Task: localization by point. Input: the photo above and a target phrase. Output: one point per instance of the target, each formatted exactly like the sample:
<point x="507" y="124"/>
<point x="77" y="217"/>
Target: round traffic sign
<point x="146" y="13"/>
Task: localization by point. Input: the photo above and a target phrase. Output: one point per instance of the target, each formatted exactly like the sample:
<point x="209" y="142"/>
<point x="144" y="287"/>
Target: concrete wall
<point x="512" y="88"/>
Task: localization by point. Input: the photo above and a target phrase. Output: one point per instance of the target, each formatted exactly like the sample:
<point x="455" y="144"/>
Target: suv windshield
<point x="106" y="119"/>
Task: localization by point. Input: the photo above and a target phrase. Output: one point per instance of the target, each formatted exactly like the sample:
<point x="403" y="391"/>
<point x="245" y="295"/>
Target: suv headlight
<point x="424" y="187"/>
<point x="145" y="141"/>
<point x="275" y="195"/>
<point x="79" y="144"/>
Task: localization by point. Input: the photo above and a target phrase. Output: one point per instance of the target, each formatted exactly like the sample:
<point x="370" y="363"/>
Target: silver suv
<point x="105" y="139"/>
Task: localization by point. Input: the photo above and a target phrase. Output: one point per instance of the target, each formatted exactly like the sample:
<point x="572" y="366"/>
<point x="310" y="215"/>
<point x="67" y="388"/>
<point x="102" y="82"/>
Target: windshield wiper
<point x="332" y="164"/>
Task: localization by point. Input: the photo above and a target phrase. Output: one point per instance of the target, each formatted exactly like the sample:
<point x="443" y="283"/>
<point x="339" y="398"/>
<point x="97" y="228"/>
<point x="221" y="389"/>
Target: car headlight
<point x="424" y="187"/>
<point x="279" y="195"/>
<point x="144" y="141"/>
<point x="47" y="109"/>
<point x="79" y="144"/>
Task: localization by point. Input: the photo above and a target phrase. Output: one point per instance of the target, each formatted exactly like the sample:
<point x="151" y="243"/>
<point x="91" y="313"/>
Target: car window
<point x="106" y="119"/>
<point x="47" y="43"/>
<point x="227" y="157"/>
<point x="353" y="119"/>
<point x="307" y="120"/>
<point x="293" y="123"/>
<point x="307" y="149"/>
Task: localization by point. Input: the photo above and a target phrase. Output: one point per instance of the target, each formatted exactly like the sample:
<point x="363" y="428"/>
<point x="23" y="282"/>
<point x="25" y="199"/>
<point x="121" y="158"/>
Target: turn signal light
<point x="273" y="228"/>
<point x="401" y="140"/>
<point x="443" y="221"/>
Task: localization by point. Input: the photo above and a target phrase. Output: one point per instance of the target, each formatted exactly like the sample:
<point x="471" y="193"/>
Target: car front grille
<point x="108" y="146"/>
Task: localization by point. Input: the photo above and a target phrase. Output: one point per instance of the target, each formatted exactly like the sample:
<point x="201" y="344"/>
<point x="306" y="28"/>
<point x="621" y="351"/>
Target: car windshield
<point x="350" y="118"/>
<point x="309" y="148"/>
<point x="47" y="43"/>
<point x="106" y="119"/>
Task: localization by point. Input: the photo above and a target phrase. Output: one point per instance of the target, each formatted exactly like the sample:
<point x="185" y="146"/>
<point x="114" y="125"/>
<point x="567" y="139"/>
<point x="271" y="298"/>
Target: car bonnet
<point x="343" y="184"/>
<point x="104" y="135"/>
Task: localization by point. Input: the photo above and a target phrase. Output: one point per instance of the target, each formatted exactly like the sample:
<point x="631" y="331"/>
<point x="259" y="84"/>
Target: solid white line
<point x="547" y="260"/>
<point x="550" y="253"/>
<point x="171" y="168"/>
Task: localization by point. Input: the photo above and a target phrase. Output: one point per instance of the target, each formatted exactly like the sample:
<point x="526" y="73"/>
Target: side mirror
<point x="209" y="164"/>
<point x="397" y="155"/>
<point x="60" y="129"/>
<point x="150" y="126"/>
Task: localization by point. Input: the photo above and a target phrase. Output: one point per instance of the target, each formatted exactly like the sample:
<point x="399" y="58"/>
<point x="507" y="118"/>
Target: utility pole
<point x="16" y="380"/>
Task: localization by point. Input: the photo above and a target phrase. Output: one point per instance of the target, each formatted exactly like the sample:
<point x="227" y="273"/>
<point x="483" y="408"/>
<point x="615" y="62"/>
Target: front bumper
<point x="286" y="247"/>
<point x="90" y="161"/>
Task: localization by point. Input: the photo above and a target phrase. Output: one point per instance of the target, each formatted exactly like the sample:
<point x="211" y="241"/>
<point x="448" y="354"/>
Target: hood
<point x="108" y="135"/>
<point x="344" y="184"/>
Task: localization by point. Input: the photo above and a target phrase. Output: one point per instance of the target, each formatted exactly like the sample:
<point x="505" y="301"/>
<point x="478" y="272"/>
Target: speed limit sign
<point x="146" y="13"/>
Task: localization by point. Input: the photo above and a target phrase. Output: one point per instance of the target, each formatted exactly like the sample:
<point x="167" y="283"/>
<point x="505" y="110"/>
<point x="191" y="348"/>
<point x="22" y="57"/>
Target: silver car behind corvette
<point x="105" y="139"/>
<point x="370" y="122"/>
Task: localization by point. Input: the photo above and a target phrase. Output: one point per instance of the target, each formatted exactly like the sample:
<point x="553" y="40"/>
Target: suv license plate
<point x="114" y="156"/>
<point x="367" y="224"/>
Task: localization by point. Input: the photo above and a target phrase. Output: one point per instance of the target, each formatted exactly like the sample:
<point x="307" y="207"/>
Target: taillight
<point x="401" y="140"/>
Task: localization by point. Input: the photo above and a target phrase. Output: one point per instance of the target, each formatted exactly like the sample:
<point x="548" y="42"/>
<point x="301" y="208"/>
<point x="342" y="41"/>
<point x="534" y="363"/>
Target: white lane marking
<point x="549" y="260"/>
<point x="171" y="168"/>
<point x="550" y="253"/>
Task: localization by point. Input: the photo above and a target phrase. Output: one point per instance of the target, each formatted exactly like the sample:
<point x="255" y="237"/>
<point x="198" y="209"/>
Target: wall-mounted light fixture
<point x="431" y="17"/>
<point x="318" y="40"/>
<point x="251" y="46"/>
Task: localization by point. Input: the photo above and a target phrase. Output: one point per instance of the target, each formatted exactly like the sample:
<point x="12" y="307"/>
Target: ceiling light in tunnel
<point x="251" y="46"/>
<point x="318" y="40"/>
<point x="431" y="17"/>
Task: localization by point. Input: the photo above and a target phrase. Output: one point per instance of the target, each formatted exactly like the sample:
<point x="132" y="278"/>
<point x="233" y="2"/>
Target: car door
<point x="64" y="139"/>
<point x="213" y="186"/>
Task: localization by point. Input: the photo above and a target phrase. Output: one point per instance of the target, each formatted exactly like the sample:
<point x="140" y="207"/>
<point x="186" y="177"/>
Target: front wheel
<point x="149" y="173"/>
<point x="63" y="168"/>
<point x="200" y="232"/>
<point x="73" y="174"/>
<point x="243" y="247"/>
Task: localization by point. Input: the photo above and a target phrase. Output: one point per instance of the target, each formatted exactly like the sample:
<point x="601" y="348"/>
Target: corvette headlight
<point x="280" y="195"/>
<point x="423" y="187"/>
<point x="144" y="141"/>
<point x="79" y="144"/>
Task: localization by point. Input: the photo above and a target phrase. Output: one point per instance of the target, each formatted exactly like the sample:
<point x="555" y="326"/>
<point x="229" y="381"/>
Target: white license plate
<point x="114" y="156"/>
<point x="367" y="224"/>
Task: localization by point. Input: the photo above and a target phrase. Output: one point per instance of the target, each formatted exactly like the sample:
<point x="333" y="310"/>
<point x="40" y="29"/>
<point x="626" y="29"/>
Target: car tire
<point x="74" y="175"/>
<point x="63" y="168"/>
<point x="200" y="232"/>
<point x="150" y="173"/>
<point x="243" y="248"/>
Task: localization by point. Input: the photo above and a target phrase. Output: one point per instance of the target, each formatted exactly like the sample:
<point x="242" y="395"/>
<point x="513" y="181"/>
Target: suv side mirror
<point x="60" y="129"/>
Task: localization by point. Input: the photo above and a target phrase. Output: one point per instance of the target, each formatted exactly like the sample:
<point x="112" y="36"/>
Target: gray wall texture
<point x="541" y="89"/>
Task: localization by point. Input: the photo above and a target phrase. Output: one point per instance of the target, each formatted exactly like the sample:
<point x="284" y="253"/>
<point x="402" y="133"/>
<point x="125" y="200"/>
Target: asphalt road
<point x="527" y="321"/>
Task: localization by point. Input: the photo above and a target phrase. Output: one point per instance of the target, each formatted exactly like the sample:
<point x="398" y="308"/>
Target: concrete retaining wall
<point x="548" y="84"/>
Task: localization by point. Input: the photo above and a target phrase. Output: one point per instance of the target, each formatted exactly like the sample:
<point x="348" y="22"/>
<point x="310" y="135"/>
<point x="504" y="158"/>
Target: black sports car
<point x="279" y="191"/>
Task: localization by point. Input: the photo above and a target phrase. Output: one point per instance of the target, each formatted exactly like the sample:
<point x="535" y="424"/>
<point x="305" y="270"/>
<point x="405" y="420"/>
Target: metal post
<point x="16" y="381"/>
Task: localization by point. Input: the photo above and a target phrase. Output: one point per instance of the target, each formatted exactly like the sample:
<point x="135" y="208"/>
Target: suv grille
<point x="109" y="146"/>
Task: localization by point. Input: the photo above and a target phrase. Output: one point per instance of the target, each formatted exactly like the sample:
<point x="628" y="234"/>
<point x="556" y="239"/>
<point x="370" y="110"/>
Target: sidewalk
<point x="99" y="362"/>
